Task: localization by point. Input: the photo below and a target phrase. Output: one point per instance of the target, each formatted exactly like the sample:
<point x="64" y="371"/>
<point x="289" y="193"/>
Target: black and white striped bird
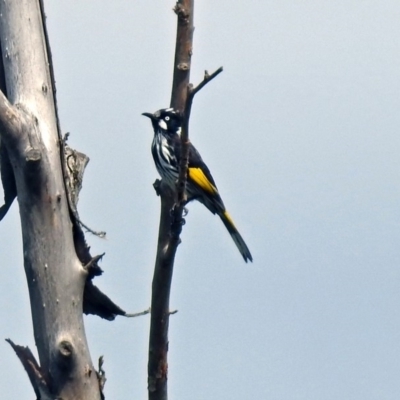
<point x="166" y="150"/>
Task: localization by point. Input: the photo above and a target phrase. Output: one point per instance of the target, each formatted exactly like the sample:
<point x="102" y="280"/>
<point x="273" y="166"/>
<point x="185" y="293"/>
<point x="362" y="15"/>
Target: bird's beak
<point x="149" y="115"/>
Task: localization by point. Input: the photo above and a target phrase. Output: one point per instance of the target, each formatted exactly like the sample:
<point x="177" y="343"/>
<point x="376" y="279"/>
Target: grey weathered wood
<point x="55" y="276"/>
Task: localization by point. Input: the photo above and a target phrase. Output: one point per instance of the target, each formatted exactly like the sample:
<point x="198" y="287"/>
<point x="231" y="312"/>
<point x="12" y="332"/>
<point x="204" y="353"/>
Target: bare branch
<point x="172" y="205"/>
<point x="168" y="238"/>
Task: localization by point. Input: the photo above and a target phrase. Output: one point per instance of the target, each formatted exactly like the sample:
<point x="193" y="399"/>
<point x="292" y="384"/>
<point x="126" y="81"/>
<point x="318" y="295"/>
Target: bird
<point x="200" y="185"/>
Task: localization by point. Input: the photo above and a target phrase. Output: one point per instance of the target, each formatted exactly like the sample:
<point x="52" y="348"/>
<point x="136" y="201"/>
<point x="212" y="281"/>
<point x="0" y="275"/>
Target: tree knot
<point x="65" y="348"/>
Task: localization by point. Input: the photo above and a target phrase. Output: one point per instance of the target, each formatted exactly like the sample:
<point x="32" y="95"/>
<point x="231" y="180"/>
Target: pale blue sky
<point x="301" y="134"/>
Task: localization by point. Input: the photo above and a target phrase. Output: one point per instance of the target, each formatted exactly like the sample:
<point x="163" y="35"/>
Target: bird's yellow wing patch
<point x="199" y="178"/>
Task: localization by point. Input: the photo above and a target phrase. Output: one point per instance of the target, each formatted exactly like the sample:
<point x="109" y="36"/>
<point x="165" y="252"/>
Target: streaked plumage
<point x="166" y="150"/>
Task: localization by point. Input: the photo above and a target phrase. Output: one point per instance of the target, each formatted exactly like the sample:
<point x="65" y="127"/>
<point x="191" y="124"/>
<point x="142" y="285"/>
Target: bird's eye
<point x="166" y="118"/>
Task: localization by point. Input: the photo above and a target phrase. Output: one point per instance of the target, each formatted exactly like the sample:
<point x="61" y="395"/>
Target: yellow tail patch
<point x="199" y="178"/>
<point x="229" y="219"/>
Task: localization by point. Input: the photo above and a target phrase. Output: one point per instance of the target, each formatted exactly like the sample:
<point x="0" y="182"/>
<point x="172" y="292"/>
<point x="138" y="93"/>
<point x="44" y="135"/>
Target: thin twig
<point x="181" y="186"/>
<point x="145" y="312"/>
<point x="100" y="234"/>
<point x="207" y="78"/>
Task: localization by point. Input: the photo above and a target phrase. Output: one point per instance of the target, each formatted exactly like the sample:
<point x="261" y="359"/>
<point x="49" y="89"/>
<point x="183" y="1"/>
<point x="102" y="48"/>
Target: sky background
<point x="301" y="133"/>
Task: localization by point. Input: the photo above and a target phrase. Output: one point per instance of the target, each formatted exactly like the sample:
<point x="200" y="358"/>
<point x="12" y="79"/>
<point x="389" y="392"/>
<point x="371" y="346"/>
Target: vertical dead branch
<point x="172" y="206"/>
<point x="167" y="243"/>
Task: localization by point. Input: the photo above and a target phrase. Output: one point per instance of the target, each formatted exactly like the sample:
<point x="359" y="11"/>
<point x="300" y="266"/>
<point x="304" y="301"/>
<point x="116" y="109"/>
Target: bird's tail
<point x="237" y="238"/>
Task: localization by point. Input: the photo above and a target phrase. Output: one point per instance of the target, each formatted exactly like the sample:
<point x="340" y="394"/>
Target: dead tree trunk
<point x="55" y="275"/>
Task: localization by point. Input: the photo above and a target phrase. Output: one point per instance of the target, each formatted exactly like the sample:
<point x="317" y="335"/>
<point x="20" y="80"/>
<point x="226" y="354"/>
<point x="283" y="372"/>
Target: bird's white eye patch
<point x="167" y="118"/>
<point x="162" y="124"/>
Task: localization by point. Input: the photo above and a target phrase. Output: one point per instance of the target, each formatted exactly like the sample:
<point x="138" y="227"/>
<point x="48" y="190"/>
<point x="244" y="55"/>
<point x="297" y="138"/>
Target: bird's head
<point x="166" y="119"/>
